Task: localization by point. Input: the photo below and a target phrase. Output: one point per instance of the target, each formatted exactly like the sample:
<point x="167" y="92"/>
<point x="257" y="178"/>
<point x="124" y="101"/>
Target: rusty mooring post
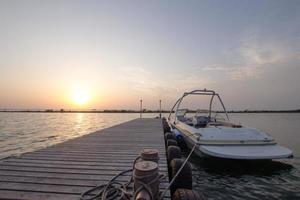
<point x="146" y="180"/>
<point x="150" y="155"/>
<point x="143" y="195"/>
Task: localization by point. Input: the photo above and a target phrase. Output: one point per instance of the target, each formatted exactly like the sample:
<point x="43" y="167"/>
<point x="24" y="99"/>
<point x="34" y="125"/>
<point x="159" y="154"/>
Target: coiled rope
<point x="115" y="190"/>
<point x="146" y="187"/>
<point x="112" y="189"/>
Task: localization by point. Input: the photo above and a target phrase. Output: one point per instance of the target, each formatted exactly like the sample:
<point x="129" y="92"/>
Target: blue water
<point x="217" y="179"/>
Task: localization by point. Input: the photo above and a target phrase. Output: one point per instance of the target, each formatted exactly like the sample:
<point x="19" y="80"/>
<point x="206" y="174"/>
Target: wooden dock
<point x="65" y="170"/>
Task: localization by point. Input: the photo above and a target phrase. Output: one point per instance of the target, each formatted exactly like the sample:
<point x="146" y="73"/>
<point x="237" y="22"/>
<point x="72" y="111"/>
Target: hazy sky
<point x="121" y="51"/>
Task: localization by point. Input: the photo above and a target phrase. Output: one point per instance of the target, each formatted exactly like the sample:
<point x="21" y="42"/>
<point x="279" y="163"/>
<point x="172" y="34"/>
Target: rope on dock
<point x="117" y="190"/>
<point x="178" y="172"/>
<point x="112" y="189"/>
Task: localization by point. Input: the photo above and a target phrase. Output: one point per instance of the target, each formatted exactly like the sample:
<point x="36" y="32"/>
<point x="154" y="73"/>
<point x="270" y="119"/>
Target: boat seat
<point x="216" y="124"/>
<point x="200" y="121"/>
<point x="181" y="118"/>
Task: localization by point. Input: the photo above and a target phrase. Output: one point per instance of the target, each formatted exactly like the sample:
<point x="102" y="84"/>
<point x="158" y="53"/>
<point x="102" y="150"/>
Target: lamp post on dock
<point x="160" y="108"/>
<point x="141" y="108"/>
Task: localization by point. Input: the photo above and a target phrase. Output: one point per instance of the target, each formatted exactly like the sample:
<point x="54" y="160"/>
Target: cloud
<point x="193" y="82"/>
<point x="216" y="67"/>
<point x="137" y="78"/>
<point x="245" y="73"/>
<point x="298" y="56"/>
<point x="254" y="55"/>
<point x="145" y="82"/>
<point x="136" y="74"/>
<point x="256" y="51"/>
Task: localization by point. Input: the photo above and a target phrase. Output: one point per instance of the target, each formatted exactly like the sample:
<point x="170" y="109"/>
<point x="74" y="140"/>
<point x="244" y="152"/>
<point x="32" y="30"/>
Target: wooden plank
<point x="93" y="155"/>
<point x="49" y="188"/>
<point x="63" y="166"/>
<point x="82" y="159"/>
<point x="34" y="195"/>
<point x="36" y="161"/>
<point x="47" y="180"/>
<point x="59" y="175"/>
<point x="14" y="194"/>
<point x="65" y="170"/>
<point x="78" y="151"/>
<point x="59" y="170"/>
<point x="62" y="175"/>
<point x="55" y="181"/>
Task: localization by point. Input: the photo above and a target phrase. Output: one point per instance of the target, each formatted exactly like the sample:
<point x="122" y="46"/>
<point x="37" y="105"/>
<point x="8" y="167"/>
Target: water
<point x="24" y="132"/>
<point x="217" y="179"/>
<point x="223" y="179"/>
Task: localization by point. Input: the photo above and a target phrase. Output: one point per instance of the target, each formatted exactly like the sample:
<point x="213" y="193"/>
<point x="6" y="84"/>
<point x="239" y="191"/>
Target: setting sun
<point x="81" y="96"/>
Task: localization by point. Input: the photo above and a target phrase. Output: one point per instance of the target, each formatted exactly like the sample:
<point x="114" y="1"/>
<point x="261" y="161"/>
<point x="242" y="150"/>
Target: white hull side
<point x="249" y="152"/>
<point x="241" y="152"/>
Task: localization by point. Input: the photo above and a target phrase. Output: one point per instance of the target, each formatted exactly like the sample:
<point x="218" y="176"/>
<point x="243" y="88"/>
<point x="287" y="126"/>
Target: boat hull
<point x="249" y="152"/>
<point x="240" y="152"/>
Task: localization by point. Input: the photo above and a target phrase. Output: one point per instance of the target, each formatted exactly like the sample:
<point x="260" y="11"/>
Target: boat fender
<point x="170" y="136"/>
<point x="173" y="152"/>
<point x="177" y="133"/>
<point x="171" y="142"/>
<point x="184" y="179"/>
<point x="185" y="194"/>
<point x="166" y="127"/>
<point x="181" y="143"/>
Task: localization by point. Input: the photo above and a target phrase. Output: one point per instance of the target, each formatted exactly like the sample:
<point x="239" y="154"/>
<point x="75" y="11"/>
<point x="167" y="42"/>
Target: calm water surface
<point x="217" y="179"/>
<point x="23" y="132"/>
<point x="223" y="179"/>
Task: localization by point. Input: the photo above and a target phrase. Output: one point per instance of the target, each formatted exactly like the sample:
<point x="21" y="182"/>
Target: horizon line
<point x="138" y="111"/>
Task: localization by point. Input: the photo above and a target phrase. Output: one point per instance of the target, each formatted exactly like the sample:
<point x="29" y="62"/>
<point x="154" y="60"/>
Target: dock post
<point x="146" y="173"/>
<point x="160" y="108"/>
<point x="141" y="108"/>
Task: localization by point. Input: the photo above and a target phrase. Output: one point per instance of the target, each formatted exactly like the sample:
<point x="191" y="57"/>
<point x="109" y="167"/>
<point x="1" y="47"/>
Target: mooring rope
<point x="112" y="189"/>
<point x="115" y="190"/>
<point x="154" y="177"/>
<point x="178" y="172"/>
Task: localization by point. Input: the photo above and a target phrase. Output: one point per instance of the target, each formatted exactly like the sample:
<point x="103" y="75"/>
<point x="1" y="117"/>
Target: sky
<point x="110" y="54"/>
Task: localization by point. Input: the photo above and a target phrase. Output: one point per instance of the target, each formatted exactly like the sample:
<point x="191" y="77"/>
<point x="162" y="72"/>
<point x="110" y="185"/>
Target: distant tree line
<point x="137" y="111"/>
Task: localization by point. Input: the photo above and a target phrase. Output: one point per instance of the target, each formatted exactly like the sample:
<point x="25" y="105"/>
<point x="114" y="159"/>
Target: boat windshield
<point x="213" y="116"/>
<point x="218" y="116"/>
<point x="181" y="112"/>
<point x="211" y="100"/>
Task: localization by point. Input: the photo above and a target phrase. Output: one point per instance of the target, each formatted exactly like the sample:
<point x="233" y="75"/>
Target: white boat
<point x="218" y="137"/>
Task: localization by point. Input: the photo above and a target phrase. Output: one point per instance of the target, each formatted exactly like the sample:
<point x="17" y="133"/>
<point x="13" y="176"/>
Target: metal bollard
<point x="150" y="155"/>
<point x="146" y="180"/>
<point x="143" y="195"/>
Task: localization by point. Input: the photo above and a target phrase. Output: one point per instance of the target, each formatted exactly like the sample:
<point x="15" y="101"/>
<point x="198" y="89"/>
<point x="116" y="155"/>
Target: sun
<point x="81" y="96"/>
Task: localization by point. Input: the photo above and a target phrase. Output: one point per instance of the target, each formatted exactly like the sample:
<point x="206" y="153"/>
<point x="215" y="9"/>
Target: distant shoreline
<point x="135" y="111"/>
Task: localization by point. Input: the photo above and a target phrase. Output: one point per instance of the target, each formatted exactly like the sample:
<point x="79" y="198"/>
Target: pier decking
<point x="65" y="170"/>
